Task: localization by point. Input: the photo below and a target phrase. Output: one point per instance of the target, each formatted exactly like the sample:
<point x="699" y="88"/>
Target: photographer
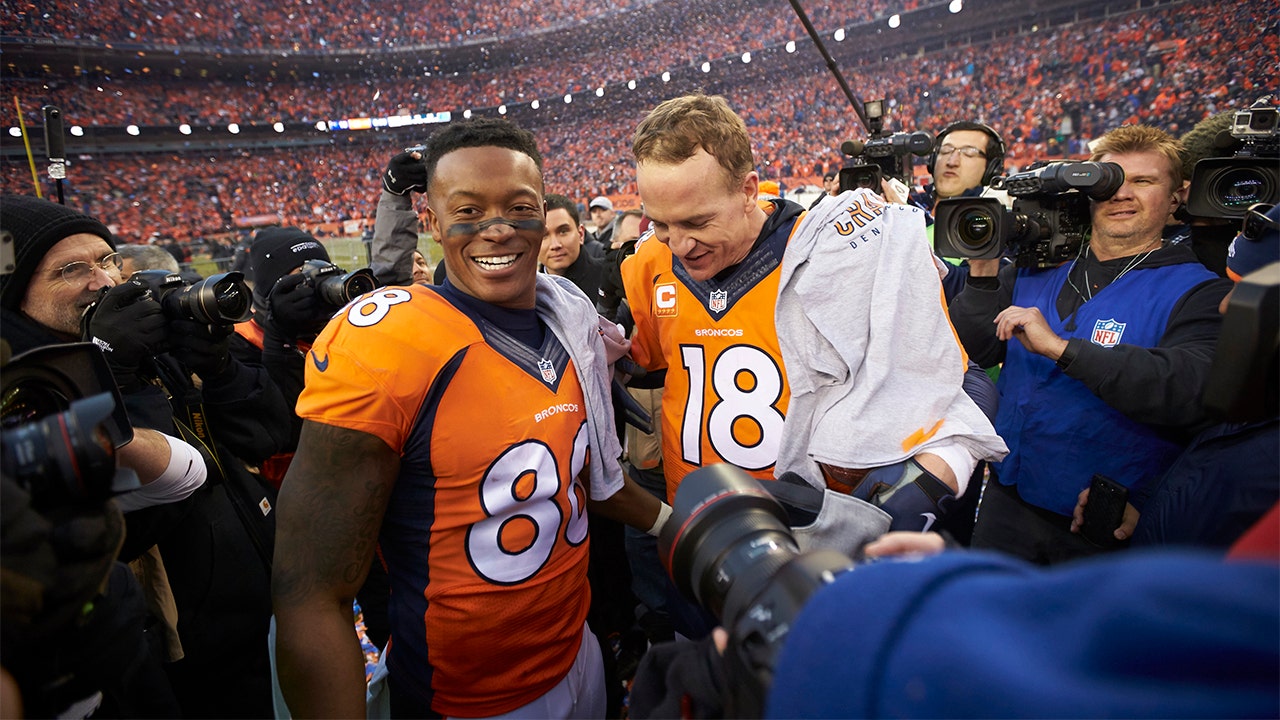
<point x="1110" y="359"/>
<point x="288" y="314"/>
<point x="216" y="544"/>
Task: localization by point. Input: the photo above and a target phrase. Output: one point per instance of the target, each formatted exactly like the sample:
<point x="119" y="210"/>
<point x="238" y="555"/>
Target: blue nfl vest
<point x="1058" y="432"/>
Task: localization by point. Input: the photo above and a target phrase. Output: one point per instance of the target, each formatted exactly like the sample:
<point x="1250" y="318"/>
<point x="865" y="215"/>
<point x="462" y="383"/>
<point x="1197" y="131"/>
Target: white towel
<point x="575" y="323"/>
<point x="874" y="366"/>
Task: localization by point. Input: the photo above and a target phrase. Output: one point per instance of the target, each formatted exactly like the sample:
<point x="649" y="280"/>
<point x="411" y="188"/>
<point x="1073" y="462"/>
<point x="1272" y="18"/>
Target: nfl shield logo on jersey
<point x="548" y="370"/>
<point x="1107" y="333"/>
<point x="719" y="301"/>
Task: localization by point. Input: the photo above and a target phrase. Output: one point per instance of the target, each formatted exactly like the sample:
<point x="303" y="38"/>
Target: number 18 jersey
<point x="726" y="393"/>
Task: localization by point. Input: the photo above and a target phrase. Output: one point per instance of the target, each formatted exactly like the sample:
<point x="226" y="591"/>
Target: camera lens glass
<point x="359" y="284"/>
<point x="221" y="299"/>
<point x="974" y="228"/>
<point x="731" y="537"/>
<point x="1238" y="188"/>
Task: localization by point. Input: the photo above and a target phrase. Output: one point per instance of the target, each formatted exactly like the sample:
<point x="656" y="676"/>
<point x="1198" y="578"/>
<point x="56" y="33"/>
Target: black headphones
<point x="994" y="150"/>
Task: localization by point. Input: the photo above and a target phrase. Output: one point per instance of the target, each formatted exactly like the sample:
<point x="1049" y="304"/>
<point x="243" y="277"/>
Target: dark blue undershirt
<point x="523" y="325"/>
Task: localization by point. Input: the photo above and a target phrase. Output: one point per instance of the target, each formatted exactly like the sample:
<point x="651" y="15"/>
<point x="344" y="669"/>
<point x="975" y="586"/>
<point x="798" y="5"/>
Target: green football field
<point x="347" y="252"/>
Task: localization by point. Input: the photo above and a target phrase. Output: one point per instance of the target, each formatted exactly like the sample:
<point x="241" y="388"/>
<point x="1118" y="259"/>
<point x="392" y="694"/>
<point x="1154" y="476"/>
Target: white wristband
<point x="664" y="514"/>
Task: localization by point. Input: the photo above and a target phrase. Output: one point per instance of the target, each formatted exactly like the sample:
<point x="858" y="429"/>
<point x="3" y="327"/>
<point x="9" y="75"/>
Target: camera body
<point x="884" y="155"/>
<point x="333" y="286"/>
<point x="1226" y="187"/>
<point x="727" y="546"/>
<point x="1047" y="225"/>
<point x="222" y="299"/>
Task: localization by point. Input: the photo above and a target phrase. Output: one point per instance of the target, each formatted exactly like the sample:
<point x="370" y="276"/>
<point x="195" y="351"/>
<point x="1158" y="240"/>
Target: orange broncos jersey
<point x="726" y="391"/>
<point x="485" y="533"/>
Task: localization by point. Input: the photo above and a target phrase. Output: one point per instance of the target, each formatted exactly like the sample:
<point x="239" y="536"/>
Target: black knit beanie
<point x="37" y="225"/>
<point x="275" y="252"/>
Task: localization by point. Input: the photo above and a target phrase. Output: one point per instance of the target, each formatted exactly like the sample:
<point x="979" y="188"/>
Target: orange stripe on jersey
<point x="485" y="534"/>
<point x="726" y="392"/>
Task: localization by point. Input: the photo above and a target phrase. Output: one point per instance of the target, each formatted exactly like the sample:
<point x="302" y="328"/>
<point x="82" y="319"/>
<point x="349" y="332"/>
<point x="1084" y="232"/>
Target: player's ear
<point x="433" y="223"/>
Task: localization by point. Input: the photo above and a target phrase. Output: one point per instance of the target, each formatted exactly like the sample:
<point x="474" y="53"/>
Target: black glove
<point x="295" y="311"/>
<point x="204" y="349"/>
<point x="406" y="172"/>
<point x="129" y="328"/>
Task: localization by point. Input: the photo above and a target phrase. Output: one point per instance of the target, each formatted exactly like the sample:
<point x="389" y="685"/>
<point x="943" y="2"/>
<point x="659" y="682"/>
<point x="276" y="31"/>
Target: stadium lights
<point x="791" y="46"/>
<point x="233" y="128"/>
<point x="278" y="127"/>
<point x="322" y="126"/>
<point x="77" y="131"/>
<point x="895" y="20"/>
<point x="839" y="36"/>
<point x="132" y="130"/>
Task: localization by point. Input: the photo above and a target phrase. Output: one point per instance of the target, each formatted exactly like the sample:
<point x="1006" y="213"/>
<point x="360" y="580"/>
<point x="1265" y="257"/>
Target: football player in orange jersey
<point x="466" y="429"/>
<point x="704" y="296"/>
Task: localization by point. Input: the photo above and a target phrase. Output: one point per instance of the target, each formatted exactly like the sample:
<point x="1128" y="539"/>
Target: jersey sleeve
<point x="371" y="367"/>
<point x="638" y="272"/>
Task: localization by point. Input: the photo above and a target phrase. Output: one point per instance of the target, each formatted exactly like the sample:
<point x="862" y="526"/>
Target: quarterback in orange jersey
<point x="466" y="429"/>
<point x="704" y="298"/>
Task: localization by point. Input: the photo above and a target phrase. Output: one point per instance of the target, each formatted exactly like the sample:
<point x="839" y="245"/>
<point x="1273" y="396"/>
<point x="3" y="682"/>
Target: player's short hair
<point x="481" y="132"/>
<point x="1142" y="138"/>
<point x="674" y="131"/>
<point x="561" y="202"/>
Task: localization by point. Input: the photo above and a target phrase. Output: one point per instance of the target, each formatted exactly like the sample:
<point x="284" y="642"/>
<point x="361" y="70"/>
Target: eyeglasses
<point x="79" y="272"/>
<point x="968" y="151"/>
<point x="1256" y="223"/>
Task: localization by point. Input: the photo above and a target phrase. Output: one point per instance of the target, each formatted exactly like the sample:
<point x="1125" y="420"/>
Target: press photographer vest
<point x="1059" y="433"/>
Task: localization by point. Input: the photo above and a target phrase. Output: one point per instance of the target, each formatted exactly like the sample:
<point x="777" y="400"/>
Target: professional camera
<point x="1226" y="187"/>
<point x="885" y="154"/>
<point x="222" y="299"/>
<point x="335" y="287"/>
<point x="1048" y="223"/>
<point x="62" y="421"/>
<point x="727" y="547"/>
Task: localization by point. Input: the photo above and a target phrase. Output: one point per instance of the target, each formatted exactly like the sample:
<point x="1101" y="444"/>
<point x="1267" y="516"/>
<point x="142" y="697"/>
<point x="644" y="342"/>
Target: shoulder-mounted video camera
<point x="222" y="299"/>
<point x="884" y="155"/>
<point x="335" y="287"/>
<point x="1047" y="225"/>
<point x="1226" y="187"/>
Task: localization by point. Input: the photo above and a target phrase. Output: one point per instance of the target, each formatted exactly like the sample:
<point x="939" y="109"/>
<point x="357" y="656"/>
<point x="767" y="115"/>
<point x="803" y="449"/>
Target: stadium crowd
<point x="317" y="26"/>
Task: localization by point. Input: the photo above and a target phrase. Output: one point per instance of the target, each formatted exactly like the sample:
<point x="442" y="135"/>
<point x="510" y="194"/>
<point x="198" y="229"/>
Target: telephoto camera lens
<point x="334" y="287"/>
<point x="222" y="299"/>
<point x="975" y="227"/>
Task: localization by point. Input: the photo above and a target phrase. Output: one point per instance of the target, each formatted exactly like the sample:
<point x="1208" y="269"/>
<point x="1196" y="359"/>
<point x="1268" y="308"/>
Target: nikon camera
<point x="1047" y="225"/>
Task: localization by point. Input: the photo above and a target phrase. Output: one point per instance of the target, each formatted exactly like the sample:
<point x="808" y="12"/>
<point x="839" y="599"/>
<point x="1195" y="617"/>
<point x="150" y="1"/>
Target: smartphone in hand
<point x="1105" y="510"/>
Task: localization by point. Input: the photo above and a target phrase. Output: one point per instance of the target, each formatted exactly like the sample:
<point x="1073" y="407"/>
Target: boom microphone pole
<point x="54" y="149"/>
<point x="831" y="65"/>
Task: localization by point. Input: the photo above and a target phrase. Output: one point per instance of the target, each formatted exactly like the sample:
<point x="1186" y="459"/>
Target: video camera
<point x="333" y="286"/>
<point x="222" y="299"/>
<point x="1226" y="187"/>
<point x="885" y="154"/>
<point x="1047" y="225"/>
<point x="61" y="421"/>
<point x="727" y="546"/>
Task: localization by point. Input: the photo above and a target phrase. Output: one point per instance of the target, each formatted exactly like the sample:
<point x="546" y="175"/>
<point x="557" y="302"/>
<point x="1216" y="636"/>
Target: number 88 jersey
<point x="485" y="533"/>
<point x="726" y="393"/>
